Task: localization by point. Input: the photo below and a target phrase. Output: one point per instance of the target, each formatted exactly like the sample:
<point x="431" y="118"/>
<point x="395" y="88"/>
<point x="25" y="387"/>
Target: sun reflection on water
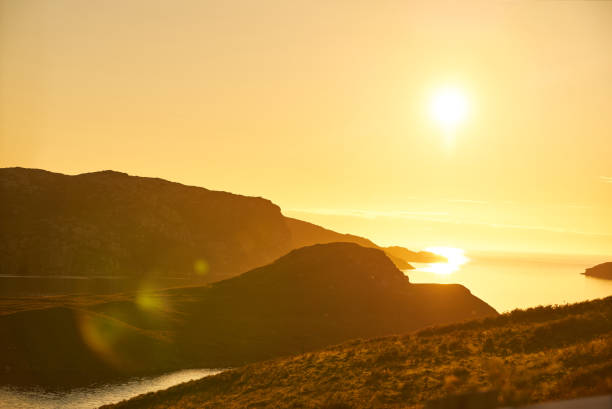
<point x="455" y="256"/>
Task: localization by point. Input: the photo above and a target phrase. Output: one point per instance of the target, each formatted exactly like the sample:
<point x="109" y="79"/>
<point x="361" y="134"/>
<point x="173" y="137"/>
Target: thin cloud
<point x="369" y="214"/>
<point x="546" y="228"/>
<point x="438" y="217"/>
<point x="578" y="206"/>
<point x="467" y="201"/>
<point x="606" y="179"/>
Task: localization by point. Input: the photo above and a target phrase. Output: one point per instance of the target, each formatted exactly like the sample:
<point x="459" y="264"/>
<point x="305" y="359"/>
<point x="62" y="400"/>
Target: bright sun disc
<point x="449" y="107"/>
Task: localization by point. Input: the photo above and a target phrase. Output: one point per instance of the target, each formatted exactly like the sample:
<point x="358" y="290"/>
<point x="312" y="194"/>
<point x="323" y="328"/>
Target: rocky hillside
<point x="111" y="224"/>
<point x="310" y="298"/>
<point x="540" y="354"/>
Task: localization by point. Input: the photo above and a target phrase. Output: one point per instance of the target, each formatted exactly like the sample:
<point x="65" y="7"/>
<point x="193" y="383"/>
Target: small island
<point x="603" y="270"/>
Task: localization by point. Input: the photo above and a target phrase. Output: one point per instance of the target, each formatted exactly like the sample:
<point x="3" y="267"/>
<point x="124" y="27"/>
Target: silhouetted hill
<point x="110" y="224"/>
<point x="603" y="270"/>
<point x="539" y="354"/>
<point x="312" y="297"/>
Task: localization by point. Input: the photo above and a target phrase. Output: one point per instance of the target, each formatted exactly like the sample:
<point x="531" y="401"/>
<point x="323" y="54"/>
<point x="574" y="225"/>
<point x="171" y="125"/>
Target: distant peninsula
<point x="603" y="270"/>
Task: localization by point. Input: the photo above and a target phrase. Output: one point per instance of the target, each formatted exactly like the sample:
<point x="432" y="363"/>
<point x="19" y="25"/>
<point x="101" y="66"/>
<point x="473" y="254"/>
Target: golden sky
<point x="322" y="107"/>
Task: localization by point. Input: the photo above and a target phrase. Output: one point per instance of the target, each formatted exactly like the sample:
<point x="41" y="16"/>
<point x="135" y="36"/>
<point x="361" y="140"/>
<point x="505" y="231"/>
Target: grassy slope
<point x="530" y="355"/>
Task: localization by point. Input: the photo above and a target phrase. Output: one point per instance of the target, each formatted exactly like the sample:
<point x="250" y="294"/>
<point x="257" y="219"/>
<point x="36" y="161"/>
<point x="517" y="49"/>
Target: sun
<point x="449" y="107"/>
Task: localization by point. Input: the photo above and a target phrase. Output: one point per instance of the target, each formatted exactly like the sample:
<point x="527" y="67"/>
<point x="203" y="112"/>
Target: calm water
<point x="93" y="397"/>
<point x="507" y="281"/>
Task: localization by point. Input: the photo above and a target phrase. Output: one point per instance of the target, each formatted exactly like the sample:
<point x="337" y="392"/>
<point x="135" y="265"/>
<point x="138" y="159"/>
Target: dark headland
<point x="603" y="270"/>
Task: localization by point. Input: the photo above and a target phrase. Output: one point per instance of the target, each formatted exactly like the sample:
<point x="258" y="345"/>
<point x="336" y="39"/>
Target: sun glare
<point x="449" y="107"/>
<point x="455" y="256"/>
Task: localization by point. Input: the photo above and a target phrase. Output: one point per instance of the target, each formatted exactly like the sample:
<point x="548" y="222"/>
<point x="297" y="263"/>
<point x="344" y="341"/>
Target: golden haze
<point x="322" y="107"/>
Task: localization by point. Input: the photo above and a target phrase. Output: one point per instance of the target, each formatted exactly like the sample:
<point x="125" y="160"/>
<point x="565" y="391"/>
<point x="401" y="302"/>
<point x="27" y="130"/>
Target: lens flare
<point x="201" y="267"/>
<point x="101" y="334"/>
<point x="149" y="301"/>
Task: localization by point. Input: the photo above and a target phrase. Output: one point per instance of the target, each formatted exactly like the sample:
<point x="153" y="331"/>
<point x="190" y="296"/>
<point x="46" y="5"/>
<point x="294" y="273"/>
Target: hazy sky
<point x="322" y="107"/>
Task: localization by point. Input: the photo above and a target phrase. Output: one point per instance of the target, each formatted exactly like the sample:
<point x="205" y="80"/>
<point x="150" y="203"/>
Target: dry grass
<point x="524" y="356"/>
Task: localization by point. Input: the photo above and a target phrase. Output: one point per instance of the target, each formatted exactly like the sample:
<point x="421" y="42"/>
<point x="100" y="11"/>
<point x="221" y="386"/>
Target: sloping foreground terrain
<point x="539" y="354"/>
<point x="109" y="224"/>
<point x="313" y="297"/>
